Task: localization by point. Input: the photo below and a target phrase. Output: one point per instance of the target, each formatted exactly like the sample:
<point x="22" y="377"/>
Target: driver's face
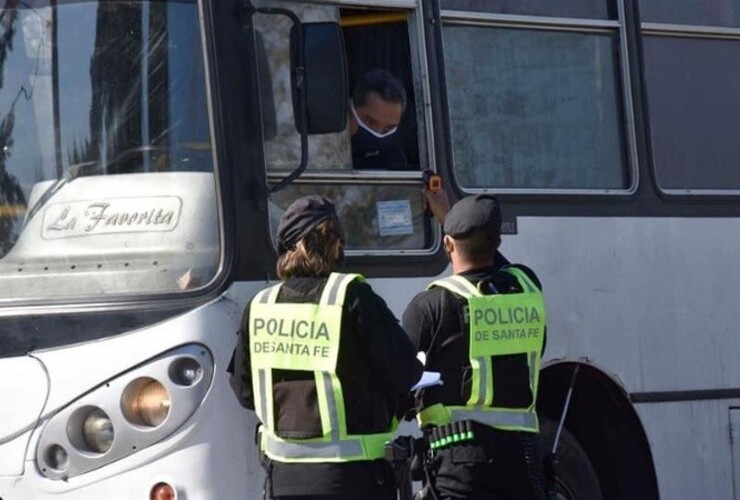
<point x="381" y="116"/>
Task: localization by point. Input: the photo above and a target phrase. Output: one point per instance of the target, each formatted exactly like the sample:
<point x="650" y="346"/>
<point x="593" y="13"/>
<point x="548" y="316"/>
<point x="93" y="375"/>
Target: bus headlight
<point x="185" y="371"/>
<point x="56" y="457"/>
<point x="145" y="402"/>
<point x="97" y="431"/>
<point x="126" y="413"/>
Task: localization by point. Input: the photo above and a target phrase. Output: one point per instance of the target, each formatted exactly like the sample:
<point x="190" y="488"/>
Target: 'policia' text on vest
<point x="291" y="328"/>
<point x="505" y="316"/>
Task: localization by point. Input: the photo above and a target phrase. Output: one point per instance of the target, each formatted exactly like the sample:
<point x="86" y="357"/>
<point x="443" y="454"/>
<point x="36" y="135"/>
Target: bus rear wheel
<point x="575" y="476"/>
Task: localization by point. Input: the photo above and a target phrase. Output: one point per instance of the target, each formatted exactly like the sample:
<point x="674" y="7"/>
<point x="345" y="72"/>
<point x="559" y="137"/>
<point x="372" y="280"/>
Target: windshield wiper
<point x="84" y="169"/>
<point x="74" y="172"/>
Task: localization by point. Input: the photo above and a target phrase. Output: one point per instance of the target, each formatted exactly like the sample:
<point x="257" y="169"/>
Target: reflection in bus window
<point x="106" y="163"/>
<point x="534" y="109"/>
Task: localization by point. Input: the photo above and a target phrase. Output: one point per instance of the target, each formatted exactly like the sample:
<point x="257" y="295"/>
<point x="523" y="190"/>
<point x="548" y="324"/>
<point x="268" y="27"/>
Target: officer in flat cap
<point x="484" y="329"/>
<point x="325" y="365"/>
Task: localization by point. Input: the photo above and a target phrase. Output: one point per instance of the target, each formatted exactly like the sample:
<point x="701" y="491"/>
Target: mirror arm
<point x="300" y="83"/>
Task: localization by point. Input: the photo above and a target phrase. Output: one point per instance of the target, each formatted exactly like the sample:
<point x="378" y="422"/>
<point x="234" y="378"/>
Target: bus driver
<point x="376" y="108"/>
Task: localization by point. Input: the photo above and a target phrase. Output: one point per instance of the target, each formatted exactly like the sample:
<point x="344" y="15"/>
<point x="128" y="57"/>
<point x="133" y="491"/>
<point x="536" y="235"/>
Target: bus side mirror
<point x="319" y="63"/>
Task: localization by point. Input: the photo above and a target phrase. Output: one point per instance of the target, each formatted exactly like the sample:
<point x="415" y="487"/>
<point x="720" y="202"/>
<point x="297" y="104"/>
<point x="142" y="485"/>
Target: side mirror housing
<point x="323" y="74"/>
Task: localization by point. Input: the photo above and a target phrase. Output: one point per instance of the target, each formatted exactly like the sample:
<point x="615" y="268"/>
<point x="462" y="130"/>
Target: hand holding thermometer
<point x="431" y="181"/>
<point x="435" y="198"/>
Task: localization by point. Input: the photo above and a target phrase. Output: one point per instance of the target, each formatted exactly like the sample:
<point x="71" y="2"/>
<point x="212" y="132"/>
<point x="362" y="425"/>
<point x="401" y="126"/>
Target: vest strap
<point x="458" y="285"/>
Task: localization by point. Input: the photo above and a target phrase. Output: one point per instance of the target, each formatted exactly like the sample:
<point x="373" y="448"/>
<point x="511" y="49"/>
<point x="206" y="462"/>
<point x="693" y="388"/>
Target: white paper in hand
<point x="428" y="379"/>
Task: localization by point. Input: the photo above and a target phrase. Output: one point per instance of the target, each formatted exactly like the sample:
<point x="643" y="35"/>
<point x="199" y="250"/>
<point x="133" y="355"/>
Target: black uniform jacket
<point x="377" y="366"/>
<point x="436" y="323"/>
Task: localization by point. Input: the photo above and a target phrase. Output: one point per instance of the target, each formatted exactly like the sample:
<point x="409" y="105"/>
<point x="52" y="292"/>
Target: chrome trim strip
<point x="686" y="30"/>
<point x="534" y="22"/>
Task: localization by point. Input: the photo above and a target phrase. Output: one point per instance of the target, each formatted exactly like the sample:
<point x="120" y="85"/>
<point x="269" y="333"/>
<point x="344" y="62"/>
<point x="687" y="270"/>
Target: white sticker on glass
<point x="394" y="217"/>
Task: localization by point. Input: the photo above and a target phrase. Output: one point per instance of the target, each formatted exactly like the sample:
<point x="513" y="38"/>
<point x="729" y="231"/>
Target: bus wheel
<point x="575" y="477"/>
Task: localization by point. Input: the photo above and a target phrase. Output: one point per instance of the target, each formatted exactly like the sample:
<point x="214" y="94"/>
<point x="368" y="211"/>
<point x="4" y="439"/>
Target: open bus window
<point x="380" y="70"/>
<point x="376" y="41"/>
<point x="535" y="109"/>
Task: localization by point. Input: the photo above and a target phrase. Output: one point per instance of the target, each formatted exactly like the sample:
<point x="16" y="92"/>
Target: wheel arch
<point x="603" y="419"/>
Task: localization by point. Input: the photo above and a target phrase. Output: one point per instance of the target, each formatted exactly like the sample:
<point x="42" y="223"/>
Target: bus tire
<point x="575" y="476"/>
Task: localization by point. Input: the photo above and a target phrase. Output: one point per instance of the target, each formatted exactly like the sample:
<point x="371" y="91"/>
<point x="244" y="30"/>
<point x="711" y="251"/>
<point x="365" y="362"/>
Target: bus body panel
<point x="24" y="388"/>
<point x="691" y="448"/>
<point x="211" y="456"/>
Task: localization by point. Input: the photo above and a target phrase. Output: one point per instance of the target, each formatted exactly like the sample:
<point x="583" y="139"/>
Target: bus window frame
<point x="222" y="200"/>
<point x="616" y="28"/>
<point x="685" y="31"/>
<point x="425" y="140"/>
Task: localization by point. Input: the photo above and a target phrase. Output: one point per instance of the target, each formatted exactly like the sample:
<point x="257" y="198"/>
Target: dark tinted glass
<point x="694" y="108"/>
<point x="703" y="13"/>
<point x="588" y="9"/>
<point x="534" y="109"/>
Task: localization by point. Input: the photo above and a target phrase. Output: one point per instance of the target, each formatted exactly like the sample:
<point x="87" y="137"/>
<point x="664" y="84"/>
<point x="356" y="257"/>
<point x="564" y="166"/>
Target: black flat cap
<point x="300" y="217"/>
<point x="471" y="214"/>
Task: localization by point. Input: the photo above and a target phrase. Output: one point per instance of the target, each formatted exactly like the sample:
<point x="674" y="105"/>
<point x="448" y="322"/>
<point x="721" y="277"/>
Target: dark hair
<point x="381" y="82"/>
<point x="311" y="256"/>
<point x="479" y="246"/>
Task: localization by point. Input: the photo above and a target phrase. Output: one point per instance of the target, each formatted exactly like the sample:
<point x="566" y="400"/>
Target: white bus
<point x="148" y="147"/>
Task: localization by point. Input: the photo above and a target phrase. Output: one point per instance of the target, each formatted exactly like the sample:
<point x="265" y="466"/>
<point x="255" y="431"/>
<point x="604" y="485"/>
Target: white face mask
<point x="366" y="128"/>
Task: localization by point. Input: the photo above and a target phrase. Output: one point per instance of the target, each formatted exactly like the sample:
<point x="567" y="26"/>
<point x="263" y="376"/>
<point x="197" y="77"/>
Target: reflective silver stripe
<point x="494" y="418"/>
<point x="334" y="290"/>
<point x="268" y="295"/>
<point x="331" y="449"/>
<point x="263" y="296"/>
<point x="331" y="406"/>
<point x="329" y="288"/>
<point x="482" y="384"/>
<point x="532" y="368"/>
<point x="262" y="388"/>
<point x="458" y="285"/>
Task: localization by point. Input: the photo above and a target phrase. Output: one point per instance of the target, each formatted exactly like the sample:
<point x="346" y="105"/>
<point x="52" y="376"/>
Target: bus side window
<point x="379" y="40"/>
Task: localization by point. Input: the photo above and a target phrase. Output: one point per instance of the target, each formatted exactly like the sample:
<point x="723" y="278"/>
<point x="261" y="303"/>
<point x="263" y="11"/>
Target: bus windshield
<point x="106" y="163"/>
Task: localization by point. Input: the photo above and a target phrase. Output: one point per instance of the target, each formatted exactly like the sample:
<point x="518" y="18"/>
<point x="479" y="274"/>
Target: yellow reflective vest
<point x="500" y="324"/>
<point x="290" y="336"/>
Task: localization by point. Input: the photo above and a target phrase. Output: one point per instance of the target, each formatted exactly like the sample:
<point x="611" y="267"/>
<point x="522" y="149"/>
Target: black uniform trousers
<point x="362" y="480"/>
<point x="497" y="465"/>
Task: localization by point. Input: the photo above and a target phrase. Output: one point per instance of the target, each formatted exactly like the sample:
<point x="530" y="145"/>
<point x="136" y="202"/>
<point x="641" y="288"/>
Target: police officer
<point x="325" y="365"/>
<point x="484" y="330"/>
